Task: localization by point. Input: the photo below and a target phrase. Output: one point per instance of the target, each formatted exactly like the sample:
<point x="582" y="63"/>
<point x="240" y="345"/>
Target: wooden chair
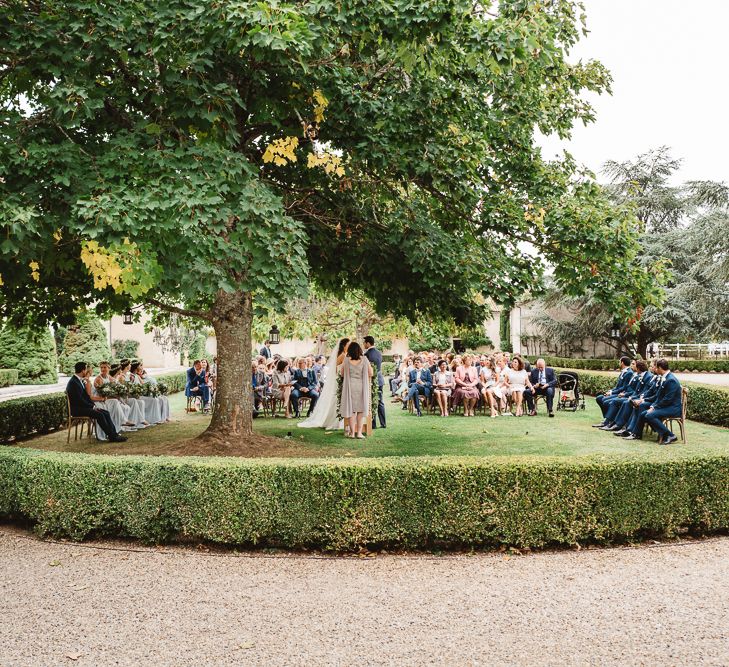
<point x="424" y="404"/>
<point x="682" y="419"/>
<point x="192" y="401"/>
<point x="75" y="422"/>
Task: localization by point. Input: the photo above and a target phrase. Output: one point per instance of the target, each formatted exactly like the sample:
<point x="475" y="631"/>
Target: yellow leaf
<point x="57" y="235"/>
<point x="1" y="280"/>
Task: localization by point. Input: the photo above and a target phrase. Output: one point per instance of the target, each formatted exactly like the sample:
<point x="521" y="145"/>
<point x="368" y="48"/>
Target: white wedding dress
<point x="324" y="414"/>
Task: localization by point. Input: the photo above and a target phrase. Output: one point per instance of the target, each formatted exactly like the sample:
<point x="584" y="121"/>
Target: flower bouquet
<point x="110" y="390"/>
<point x="163" y="389"/>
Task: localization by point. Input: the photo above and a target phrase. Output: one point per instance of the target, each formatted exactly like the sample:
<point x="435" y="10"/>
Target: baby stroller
<point x="570" y="397"/>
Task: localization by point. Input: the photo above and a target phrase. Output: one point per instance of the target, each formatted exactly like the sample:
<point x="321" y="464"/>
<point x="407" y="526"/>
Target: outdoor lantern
<point x="273" y="335"/>
<point x="157" y="337"/>
<point x="128" y="316"/>
<point x="615" y="333"/>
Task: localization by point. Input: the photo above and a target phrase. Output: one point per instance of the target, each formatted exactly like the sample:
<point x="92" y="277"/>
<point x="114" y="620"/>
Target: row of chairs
<point x="431" y="405"/>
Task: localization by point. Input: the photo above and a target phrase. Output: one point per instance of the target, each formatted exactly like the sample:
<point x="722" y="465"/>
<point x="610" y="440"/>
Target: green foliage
<point x="197" y="349"/>
<point x="680" y="365"/>
<point x="85" y="341"/>
<point x="21" y="417"/>
<point x="388" y="368"/>
<point x="705" y="404"/>
<point x="125" y="349"/>
<point x="347" y="505"/>
<point x="158" y="145"/>
<point x="59" y="334"/>
<point x="505" y="329"/>
<point x="8" y="377"/>
<point x="474" y="338"/>
<point x="32" y="353"/>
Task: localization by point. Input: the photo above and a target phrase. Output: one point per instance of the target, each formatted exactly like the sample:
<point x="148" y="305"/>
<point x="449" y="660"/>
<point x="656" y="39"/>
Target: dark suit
<point x="305" y="379"/>
<point x="416" y="389"/>
<point x="637" y="385"/>
<point x="550" y="380"/>
<point x="666" y="404"/>
<point x="624" y="407"/>
<point x="265" y="352"/>
<point x="196" y="385"/>
<point x="83" y="406"/>
<point x="624" y="378"/>
<point x="375" y="358"/>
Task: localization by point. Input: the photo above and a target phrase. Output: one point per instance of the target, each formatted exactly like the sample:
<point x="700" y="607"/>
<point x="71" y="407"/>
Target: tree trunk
<point x="643" y="340"/>
<point x="233" y="415"/>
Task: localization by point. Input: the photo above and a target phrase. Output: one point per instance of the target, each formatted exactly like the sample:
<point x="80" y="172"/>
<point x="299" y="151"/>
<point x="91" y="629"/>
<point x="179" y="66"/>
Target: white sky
<point x="670" y="65"/>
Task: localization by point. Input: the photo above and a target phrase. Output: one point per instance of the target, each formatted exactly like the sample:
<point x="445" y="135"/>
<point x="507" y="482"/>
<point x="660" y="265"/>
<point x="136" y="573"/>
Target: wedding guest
<point x="489" y="379"/>
<point x="374" y="356"/>
<point x="443" y="386"/>
<point x="196" y="385"/>
<point x="517" y="381"/>
<point x="356" y="372"/>
<point x="81" y="404"/>
<point x="624" y="378"/>
<point x="136" y="407"/>
<point x="164" y="402"/>
<point x="543" y="383"/>
<point x="282" y="385"/>
<point x="466" y="378"/>
<point x="119" y="412"/>
<point x="152" y="407"/>
<point x="420" y="383"/>
<point x="266" y="350"/>
<point x="403" y="385"/>
<point x="667" y="404"/>
<point x="305" y="386"/>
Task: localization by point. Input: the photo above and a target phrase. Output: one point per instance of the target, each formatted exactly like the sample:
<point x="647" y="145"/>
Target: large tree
<point x="200" y="156"/>
<point x="684" y="229"/>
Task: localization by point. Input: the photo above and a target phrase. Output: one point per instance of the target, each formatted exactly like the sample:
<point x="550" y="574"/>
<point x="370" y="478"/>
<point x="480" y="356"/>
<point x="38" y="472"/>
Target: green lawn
<point x="567" y="435"/>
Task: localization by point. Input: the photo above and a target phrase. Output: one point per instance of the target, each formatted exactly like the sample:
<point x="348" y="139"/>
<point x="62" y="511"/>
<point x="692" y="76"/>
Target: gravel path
<point x="66" y="604"/>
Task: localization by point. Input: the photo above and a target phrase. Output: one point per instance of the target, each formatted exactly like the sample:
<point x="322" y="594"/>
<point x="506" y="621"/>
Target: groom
<point x="375" y="358"/>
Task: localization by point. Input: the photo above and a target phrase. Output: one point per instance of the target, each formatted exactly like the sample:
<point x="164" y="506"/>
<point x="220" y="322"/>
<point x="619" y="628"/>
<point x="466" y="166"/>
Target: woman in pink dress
<point x="466" y="390"/>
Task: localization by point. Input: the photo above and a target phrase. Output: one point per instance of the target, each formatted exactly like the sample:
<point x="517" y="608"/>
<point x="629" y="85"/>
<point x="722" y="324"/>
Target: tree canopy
<point x="205" y="156"/>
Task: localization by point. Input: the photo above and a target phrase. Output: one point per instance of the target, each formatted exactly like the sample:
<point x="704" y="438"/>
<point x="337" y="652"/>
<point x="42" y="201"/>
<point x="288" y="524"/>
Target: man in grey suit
<point x="375" y="358"/>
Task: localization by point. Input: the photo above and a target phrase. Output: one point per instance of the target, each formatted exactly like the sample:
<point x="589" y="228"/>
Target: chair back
<point x="68" y="406"/>
<point x="684" y="401"/>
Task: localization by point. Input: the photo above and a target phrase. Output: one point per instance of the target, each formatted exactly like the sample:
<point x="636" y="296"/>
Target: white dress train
<point x="324" y="414"/>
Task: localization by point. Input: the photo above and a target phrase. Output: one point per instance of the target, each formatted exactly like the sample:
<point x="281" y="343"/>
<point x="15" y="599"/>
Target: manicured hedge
<point x="411" y="503"/>
<point x="21" y="417"/>
<point x="8" y="377"/>
<point x="705" y="404"/>
<point x="32" y="352"/>
<point x="680" y="365"/>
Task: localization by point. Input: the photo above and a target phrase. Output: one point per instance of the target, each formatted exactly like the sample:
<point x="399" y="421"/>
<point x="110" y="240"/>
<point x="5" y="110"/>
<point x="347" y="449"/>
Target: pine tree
<point x="32" y="353"/>
<point x="85" y="341"/>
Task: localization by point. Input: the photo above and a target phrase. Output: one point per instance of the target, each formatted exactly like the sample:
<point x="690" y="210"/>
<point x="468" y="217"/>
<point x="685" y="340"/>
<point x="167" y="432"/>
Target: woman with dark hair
<point x="282" y="384"/>
<point x="443" y="386"/>
<point x="152" y="409"/>
<point x="356" y="372"/>
<point x="517" y="380"/>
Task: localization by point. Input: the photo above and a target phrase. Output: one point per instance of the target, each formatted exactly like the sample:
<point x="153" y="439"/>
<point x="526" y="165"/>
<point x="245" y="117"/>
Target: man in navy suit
<point x="305" y="385"/>
<point x="623" y="379"/>
<point x="667" y="404"/>
<point x="83" y="406"/>
<point x="420" y="382"/>
<point x="638" y="384"/>
<point x="544" y="383"/>
<point x="375" y="358"/>
<point x="643" y="392"/>
<point x="266" y="350"/>
<point x="196" y="384"/>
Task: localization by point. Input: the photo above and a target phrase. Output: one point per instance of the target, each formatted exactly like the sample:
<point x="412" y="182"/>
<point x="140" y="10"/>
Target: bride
<point x="325" y="410"/>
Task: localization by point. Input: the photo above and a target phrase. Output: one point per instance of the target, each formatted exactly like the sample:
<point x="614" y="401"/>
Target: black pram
<point x="570" y="397"/>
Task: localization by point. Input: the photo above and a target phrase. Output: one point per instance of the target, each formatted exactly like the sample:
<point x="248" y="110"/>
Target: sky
<point x="670" y="66"/>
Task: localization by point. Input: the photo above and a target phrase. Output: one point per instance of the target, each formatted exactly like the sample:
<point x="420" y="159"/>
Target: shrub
<point x="705" y="404"/>
<point x="22" y="417"/>
<point x="8" y="377"/>
<point x="125" y="349"/>
<point x="32" y="353"/>
<point x="718" y="365"/>
<point x="85" y="341"/>
<point x="335" y="505"/>
<point x="388" y="368"/>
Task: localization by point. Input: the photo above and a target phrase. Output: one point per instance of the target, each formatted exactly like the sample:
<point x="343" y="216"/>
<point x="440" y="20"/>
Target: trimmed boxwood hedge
<point x="8" y="377"/>
<point x="337" y="505"/>
<point x="680" y="365"/>
<point x="705" y="404"/>
<point x="21" y="417"/>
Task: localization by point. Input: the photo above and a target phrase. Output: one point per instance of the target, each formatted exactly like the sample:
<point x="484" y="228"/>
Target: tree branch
<point x="185" y="312"/>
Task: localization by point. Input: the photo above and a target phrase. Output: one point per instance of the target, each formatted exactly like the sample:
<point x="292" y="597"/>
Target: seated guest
<point x="638" y="403"/>
<point x="666" y="405"/>
<point x="518" y="380"/>
<point x="466" y="377"/>
<point x="305" y="386"/>
<point x="623" y="379"/>
<point x="163" y="401"/>
<point x="443" y="386"/>
<point x="403" y="386"/>
<point x="282" y="385"/>
<point x="420" y="383"/>
<point x="196" y="384"/>
<point x="152" y="407"/>
<point x="82" y="405"/>
<point x="395" y="379"/>
<point x="544" y="383"/>
<point x="636" y="387"/>
<point x="118" y="411"/>
<point x="489" y="391"/>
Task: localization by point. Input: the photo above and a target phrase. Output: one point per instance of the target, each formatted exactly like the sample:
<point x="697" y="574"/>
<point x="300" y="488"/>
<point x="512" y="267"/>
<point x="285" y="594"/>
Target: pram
<point x="570" y="397"/>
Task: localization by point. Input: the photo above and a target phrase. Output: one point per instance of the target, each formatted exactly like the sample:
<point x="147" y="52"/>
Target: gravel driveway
<point x="67" y="604"/>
